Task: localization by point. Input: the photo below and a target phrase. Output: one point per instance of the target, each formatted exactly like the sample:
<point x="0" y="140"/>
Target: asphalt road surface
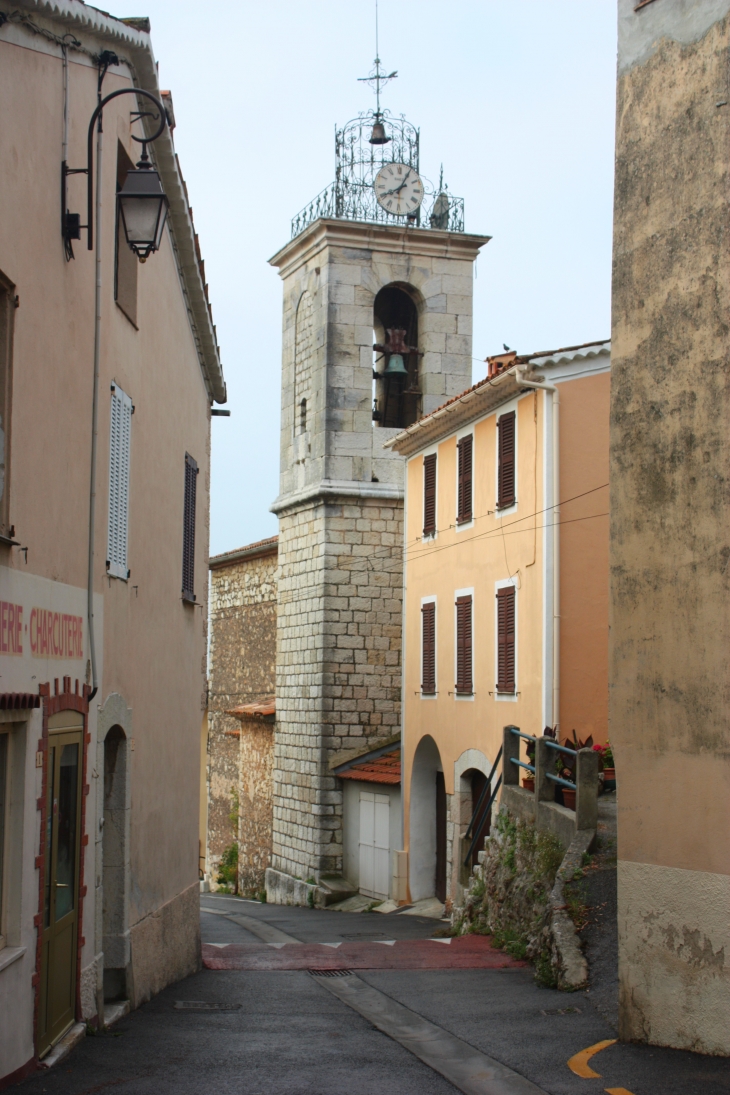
<point x="492" y="1031"/>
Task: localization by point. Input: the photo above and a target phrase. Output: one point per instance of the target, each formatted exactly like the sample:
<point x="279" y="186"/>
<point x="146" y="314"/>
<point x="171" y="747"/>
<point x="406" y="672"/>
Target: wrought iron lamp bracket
<point x="70" y="222"/>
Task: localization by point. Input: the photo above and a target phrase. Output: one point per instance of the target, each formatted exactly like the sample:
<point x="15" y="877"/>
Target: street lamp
<point x="142" y="201"/>
<point x="143" y="210"/>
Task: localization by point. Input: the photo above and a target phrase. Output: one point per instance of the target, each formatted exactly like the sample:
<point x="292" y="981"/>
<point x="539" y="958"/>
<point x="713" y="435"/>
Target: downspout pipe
<point x="543" y="386"/>
<point x="95" y="415"/>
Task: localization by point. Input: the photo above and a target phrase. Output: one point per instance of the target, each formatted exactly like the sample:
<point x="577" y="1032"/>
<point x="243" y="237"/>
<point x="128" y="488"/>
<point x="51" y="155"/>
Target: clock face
<point x="398" y="189"/>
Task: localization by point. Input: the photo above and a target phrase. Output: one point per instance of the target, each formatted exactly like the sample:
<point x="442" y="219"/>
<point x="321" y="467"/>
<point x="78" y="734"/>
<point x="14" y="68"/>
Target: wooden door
<point x="440" y="882"/>
<point x="374" y="844"/>
<point x="57" y="1004"/>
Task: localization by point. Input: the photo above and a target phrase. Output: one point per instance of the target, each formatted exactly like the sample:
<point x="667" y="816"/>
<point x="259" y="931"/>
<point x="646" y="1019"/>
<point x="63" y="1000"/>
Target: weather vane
<point x="377" y="80"/>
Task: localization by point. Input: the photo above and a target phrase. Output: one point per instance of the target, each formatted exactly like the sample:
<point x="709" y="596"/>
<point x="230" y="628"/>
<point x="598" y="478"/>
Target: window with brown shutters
<point x="188" y="571"/>
<point x="464" y="685"/>
<point x="464" y="506"/>
<point x="506" y="460"/>
<point x="428" y="648"/>
<point x="429" y="495"/>
<point x="506" y="639"/>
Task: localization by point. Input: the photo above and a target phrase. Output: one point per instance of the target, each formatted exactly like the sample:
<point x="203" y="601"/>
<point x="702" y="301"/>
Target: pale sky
<point x="515" y="97"/>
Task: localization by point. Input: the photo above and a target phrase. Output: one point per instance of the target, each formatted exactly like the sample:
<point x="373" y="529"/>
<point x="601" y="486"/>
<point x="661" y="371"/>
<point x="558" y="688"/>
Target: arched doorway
<point x="475" y="782"/>
<point x="115" y="861"/>
<point x="396" y="394"/>
<point x="427" y="851"/>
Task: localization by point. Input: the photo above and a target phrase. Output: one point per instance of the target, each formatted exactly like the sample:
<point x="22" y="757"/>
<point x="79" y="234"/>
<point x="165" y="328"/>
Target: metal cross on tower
<point x="376" y="78"/>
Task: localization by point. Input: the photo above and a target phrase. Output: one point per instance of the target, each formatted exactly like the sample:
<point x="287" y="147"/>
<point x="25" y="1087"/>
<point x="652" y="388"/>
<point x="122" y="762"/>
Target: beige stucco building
<point x="98" y="844"/>
<point x="670" y="461"/>
<point x="506" y="587"/>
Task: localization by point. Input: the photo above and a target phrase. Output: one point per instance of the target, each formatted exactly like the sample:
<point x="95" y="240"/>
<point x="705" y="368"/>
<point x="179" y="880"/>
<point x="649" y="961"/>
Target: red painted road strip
<point x="464" y="952"/>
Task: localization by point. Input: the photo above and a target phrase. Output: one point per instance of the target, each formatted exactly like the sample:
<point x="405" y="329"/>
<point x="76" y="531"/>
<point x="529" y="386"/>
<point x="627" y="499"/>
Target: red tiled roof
<point x="259" y="547"/>
<point x="254" y="710"/>
<point x="499" y="363"/>
<point x="385" y="769"/>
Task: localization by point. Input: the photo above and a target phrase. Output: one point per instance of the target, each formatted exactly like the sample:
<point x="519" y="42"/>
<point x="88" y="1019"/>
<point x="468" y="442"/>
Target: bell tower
<point x="377" y="331"/>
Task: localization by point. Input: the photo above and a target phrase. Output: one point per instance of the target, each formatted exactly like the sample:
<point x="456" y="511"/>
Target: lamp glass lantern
<point x="143" y="208"/>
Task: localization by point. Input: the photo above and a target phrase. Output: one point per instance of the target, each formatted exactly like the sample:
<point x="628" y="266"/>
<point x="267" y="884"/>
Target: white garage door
<point x="374" y="844"/>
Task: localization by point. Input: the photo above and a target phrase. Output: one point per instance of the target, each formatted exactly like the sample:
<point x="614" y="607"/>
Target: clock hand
<point x="397" y="189"/>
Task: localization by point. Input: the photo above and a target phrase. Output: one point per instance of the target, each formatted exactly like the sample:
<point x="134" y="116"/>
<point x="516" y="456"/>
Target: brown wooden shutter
<point x="506" y="461"/>
<point x="428" y="648"/>
<point x="429" y="495"/>
<point x="188" y="571"/>
<point x="464" y="510"/>
<point x="463" y="646"/>
<point x="506" y="639"/>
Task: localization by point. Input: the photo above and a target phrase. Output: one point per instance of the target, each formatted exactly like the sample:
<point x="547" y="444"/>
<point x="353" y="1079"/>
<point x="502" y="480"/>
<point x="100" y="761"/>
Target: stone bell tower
<point x="356" y="274"/>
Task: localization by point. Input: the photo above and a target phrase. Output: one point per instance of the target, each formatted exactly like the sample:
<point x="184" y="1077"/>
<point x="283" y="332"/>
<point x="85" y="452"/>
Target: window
<point x="119" y="440"/>
<point x="7" y="316"/>
<point x="429" y="495"/>
<point x="464" y="510"/>
<point x="428" y="648"/>
<point x="464" y="684"/>
<point x="506" y="460"/>
<point x="303" y="416"/>
<point x="191" y="485"/>
<point x="506" y="639"/>
<point x="126" y="265"/>
<point x="3" y="808"/>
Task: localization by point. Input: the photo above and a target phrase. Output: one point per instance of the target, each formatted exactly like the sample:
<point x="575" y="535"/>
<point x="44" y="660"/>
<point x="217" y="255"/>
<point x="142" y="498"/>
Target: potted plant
<point x="567" y="767"/>
<point x="528" y="780"/>
<point x="606" y="763"/>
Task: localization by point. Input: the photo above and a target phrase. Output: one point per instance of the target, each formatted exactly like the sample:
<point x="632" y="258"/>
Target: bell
<point x="395" y="366"/>
<point x="378" y="134"/>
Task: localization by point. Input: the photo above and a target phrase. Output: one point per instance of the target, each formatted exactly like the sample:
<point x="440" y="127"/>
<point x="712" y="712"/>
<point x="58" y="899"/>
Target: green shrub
<point x="508" y="897"/>
<point x="228" y="868"/>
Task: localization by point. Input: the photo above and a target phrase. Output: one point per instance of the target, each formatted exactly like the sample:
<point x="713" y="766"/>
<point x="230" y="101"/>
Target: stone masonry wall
<point x="339" y="665"/>
<point x="255" y="804"/>
<point x="242" y="670"/>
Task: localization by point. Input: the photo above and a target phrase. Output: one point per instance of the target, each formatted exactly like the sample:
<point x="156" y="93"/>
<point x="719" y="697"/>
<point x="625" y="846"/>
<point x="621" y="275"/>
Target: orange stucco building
<point x="506" y="585"/>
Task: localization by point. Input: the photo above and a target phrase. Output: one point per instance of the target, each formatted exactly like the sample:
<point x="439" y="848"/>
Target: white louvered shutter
<point x="119" y="441"/>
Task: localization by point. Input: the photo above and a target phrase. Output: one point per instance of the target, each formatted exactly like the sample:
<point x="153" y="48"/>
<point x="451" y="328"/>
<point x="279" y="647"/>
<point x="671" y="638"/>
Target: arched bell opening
<point x="396" y="373"/>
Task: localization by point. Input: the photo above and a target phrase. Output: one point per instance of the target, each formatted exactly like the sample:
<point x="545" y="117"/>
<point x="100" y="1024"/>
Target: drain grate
<point x="203" y="1005"/>
<point x="331" y="973"/>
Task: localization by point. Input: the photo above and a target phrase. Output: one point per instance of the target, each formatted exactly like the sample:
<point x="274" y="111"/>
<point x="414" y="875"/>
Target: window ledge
<point x="8" y="955"/>
<point x="189" y="599"/>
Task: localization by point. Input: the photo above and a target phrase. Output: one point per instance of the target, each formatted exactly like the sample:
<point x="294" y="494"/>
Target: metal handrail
<point x="518" y="734"/>
<point x="489" y="806"/>
<point x="485" y="791"/>
<point x="562" y="782"/>
<point x="561" y="748"/>
<point x="522" y="764"/>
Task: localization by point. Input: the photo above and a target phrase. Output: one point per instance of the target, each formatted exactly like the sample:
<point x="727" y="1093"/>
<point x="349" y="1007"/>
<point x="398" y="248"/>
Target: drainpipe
<point x="543" y="386"/>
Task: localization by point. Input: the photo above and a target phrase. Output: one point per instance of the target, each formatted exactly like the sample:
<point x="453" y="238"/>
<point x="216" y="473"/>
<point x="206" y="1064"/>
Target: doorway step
<point x="64" y="1045"/>
<point x="115" y="1010"/>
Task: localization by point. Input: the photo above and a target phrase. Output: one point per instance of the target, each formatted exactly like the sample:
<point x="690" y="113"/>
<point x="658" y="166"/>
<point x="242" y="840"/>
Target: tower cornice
<point x="385" y="238"/>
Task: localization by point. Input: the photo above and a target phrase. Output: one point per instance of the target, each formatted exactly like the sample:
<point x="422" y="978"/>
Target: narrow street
<point x="278" y="1030"/>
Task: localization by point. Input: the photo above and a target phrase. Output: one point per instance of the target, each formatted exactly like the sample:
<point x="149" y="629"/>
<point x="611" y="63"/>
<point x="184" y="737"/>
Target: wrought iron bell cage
<point x="357" y="161"/>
